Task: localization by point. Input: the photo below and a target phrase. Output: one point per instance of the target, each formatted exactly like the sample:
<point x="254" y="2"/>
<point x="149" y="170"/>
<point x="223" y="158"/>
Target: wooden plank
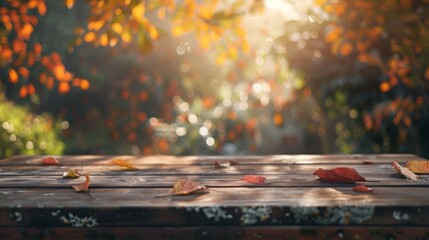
<point x="141" y="181"/>
<point x="255" y="232"/>
<point x="198" y="160"/>
<point x="267" y="196"/>
<point x="264" y="169"/>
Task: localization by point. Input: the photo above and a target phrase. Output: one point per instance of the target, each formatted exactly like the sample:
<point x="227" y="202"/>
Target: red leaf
<point x="367" y="162"/>
<point x="362" y="188"/>
<point x="84" y="186"/>
<point x="224" y="164"/>
<point x="340" y="174"/>
<point x="254" y="179"/>
<point x="50" y="161"/>
<point x="184" y="187"/>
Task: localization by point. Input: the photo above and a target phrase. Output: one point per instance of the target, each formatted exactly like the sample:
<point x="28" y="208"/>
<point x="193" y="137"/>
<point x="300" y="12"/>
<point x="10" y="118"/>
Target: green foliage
<point x="24" y="133"/>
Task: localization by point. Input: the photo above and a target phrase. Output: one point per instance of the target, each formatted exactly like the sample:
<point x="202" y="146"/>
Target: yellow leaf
<point x="245" y="47"/>
<point x="204" y="41"/>
<point x="418" y="166"/>
<point x="124" y="164"/>
<point x="69" y="3"/>
<point x="153" y="32"/>
<point x="96" y="25"/>
<point x="138" y="11"/>
<point x="126" y="37"/>
<point x="104" y="39"/>
<point x="319" y="2"/>
<point x="90" y="37"/>
<point x="116" y="27"/>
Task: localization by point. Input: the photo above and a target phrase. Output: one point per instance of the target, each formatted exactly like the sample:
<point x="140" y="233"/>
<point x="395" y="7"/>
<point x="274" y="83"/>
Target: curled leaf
<point x="50" y="161"/>
<point x="224" y="164"/>
<point x="405" y="171"/>
<point x="83" y="187"/>
<point x="184" y="187"/>
<point x="418" y="166"/>
<point x="72" y="174"/>
<point x="362" y="188"/>
<point x="340" y="174"/>
<point x="254" y="179"/>
<point x="124" y="164"/>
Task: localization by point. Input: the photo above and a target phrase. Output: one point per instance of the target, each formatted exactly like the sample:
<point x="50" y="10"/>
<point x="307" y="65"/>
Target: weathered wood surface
<point x="36" y="201"/>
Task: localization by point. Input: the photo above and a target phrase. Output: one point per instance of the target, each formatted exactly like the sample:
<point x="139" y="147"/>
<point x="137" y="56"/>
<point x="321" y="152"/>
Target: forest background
<point x="214" y="77"/>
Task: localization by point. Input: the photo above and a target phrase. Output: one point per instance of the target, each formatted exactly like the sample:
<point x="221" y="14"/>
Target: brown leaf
<point x="254" y="179"/>
<point x="184" y="187"/>
<point x="418" y="166"/>
<point x="404" y="171"/>
<point x="124" y="164"/>
<point x="50" y="161"/>
<point x="225" y="164"/>
<point x="339" y="174"/>
<point x="362" y="188"/>
<point x="84" y="187"/>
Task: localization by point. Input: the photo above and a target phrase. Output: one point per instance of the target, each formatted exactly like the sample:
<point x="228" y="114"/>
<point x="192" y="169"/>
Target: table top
<point x="33" y="194"/>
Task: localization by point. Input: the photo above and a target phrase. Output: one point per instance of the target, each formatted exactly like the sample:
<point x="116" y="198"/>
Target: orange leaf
<point x="84" y="84"/>
<point x="124" y="164"/>
<point x="41" y="7"/>
<point x="254" y="179"/>
<point x="418" y="166"/>
<point x="339" y="174"/>
<point x="404" y="171"/>
<point x="63" y="87"/>
<point x="69" y="3"/>
<point x="13" y="76"/>
<point x="184" y="187"/>
<point x="362" y="188"/>
<point x="50" y="161"/>
<point x="23" y="91"/>
<point x="83" y="187"/>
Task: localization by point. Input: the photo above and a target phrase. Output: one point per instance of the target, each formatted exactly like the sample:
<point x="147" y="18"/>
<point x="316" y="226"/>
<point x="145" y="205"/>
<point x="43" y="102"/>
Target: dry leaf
<point x="340" y="174"/>
<point x="254" y="179"/>
<point x="50" y="161"/>
<point x="72" y="173"/>
<point x="404" y="171"/>
<point x="224" y="164"/>
<point x="362" y="188"/>
<point x="124" y="164"/>
<point x="84" y="186"/>
<point x="184" y="187"/>
<point x="418" y="166"/>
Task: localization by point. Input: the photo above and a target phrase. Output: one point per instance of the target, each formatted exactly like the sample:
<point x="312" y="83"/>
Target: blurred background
<point x="214" y="77"/>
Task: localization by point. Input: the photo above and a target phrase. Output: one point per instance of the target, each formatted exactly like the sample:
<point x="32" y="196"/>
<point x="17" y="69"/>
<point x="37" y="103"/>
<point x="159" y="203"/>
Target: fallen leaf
<point x="224" y="164"/>
<point x="72" y="173"/>
<point x="83" y="187"/>
<point x="124" y="164"/>
<point x="418" y="166"/>
<point x="404" y="171"/>
<point x="254" y="179"/>
<point x="340" y="174"/>
<point x="184" y="187"/>
<point x="362" y="188"/>
<point x="367" y="162"/>
<point x="50" y="161"/>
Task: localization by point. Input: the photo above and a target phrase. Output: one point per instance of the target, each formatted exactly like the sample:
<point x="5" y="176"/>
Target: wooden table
<point x="37" y="203"/>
